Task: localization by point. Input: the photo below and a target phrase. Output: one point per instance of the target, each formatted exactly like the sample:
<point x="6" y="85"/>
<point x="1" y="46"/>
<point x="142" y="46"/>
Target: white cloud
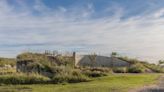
<point x="74" y="28"/>
<point x="159" y="13"/>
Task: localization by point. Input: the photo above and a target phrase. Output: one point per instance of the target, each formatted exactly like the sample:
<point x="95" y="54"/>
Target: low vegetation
<point x="4" y="71"/>
<point x="120" y="70"/>
<point x="7" y="61"/>
<point x="38" y="58"/>
<point x="138" y="66"/>
<point x="135" y="68"/>
<point x="7" y="66"/>
<point x="72" y="77"/>
<point x="111" y="83"/>
<point x="95" y="72"/>
<point x="154" y="68"/>
<point x="23" y="79"/>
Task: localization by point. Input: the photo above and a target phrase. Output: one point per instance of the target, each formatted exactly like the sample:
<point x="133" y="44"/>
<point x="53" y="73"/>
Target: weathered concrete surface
<point x="99" y="61"/>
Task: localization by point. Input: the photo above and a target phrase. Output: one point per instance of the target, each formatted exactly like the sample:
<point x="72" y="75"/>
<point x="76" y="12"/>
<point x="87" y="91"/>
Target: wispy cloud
<point x="74" y="28"/>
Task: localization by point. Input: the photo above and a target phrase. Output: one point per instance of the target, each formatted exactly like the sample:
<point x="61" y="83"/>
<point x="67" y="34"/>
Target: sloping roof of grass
<point x="130" y="60"/>
<point x="36" y="57"/>
<point x="44" y="59"/>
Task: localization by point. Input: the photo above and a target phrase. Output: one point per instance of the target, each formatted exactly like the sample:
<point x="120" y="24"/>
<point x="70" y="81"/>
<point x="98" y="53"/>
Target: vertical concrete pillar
<point x="112" y="61"/>
<point x="74" y="59"/>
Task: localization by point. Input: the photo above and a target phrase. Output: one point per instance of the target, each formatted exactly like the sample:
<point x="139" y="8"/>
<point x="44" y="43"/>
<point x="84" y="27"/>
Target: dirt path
<point x="155" y="88"/>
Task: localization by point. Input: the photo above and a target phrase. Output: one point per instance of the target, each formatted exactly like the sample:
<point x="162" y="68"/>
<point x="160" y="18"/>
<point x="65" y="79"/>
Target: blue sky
<point x="130" y="27"/>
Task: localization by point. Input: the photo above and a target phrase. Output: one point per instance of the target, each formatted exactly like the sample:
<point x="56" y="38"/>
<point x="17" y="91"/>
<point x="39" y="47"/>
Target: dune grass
<point x="111" y="83"/>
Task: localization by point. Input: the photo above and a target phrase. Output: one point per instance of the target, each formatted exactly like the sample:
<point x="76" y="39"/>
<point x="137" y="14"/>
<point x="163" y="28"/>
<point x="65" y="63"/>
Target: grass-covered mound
<point x="138" y="66"/>
<point x="46" y="60"/>
<point x="37" y="62"/>
<point x="59" y="68"/>
<point x="153" y="67"/>
<point x="35" y="57"/>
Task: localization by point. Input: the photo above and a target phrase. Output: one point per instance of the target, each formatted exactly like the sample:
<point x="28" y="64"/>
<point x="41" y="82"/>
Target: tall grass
<point x="137" y="68"/>
<point x="67" y="74"/>
<point x="7" y="61"/>
<point x="95" y="72"/>
<point x="7" y="71"/>
<point x="155" y="68"/>
<point x="23" y="79"/>
<point x="120" y="70"/>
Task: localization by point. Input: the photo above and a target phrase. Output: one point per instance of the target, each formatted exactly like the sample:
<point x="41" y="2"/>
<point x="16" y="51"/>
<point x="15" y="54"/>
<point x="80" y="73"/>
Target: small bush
<point x="65" y="61"/>
<point x="120" y="70"/>
<point x="104" y="70"/>
<point x="136" y="68"/>
<point x="94" y="73"/>
<point x="71" y="77"/>
<point x="100" y="69"/>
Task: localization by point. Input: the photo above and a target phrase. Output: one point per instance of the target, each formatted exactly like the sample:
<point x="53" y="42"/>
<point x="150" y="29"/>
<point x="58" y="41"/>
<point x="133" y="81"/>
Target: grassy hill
<point x="143" y="66"/>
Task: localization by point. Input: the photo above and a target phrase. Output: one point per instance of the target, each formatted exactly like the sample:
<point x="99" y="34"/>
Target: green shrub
<point x="35" y="57"/>
<point x="104" y="70"/>
<point x="94" y="73"/>
<point x="120" y="70"/>
<point x="71" y="77"/>
<point x="66" y="61"/>
<point x="129" y="60"/>
<point x="100" y="69"/>
<point x="136" y="68"/>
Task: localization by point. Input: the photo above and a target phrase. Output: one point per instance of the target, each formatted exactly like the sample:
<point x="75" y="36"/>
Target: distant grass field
<point x="111" y="83"/>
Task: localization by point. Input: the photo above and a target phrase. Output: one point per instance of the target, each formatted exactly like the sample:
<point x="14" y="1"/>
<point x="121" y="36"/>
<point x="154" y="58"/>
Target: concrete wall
<point x="99" y="61"/>
<point x="22" y="66"/>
